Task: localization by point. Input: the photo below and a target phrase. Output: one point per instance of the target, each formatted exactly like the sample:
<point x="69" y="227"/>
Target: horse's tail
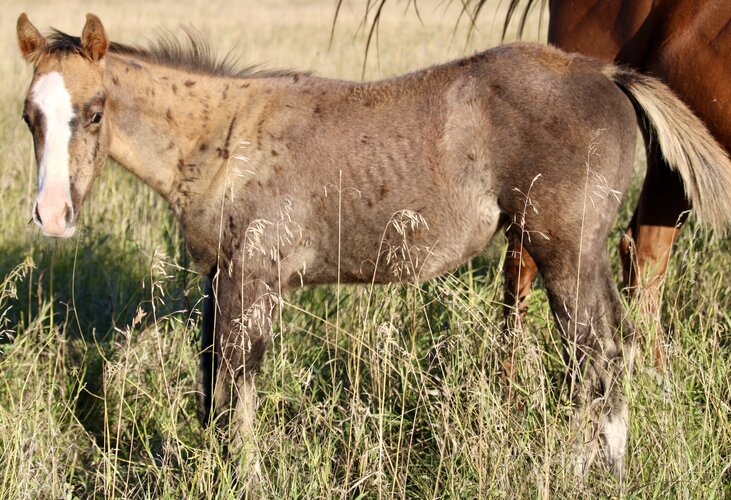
<point x="685" y="142"/>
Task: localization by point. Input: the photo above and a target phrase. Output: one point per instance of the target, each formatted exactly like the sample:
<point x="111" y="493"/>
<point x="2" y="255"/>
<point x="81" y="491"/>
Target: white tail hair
<point x="685" y="143"/>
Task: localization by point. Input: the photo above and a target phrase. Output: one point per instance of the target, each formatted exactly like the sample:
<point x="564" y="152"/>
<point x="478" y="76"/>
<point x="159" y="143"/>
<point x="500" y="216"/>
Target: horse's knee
<point x="233" y="400"/>
<point x="244" y="413"/>
<point x="241" y="341"/>
<point x="234" y="382"/>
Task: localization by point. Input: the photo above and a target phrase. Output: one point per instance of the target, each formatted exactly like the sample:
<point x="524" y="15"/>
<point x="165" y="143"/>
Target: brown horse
<point x="284" y="178"/>
<point x="687" y="44"/>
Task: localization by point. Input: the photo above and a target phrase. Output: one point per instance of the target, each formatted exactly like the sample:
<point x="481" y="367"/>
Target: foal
<point x="247" y="162"/>
<point x="675" y="40"/>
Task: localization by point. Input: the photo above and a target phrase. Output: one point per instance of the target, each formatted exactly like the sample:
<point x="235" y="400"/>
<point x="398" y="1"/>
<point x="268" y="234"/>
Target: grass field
<point x="390" y="395"/>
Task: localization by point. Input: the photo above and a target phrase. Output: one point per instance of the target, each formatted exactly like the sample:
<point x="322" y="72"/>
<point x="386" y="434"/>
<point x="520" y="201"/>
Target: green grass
<point x="390" y="391"/>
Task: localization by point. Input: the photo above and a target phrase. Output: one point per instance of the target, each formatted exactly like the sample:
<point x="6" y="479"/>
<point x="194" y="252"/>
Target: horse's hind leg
<point x="598" y="342"/>
<point x="519" y="270"/>
<point x="646" y="248"/>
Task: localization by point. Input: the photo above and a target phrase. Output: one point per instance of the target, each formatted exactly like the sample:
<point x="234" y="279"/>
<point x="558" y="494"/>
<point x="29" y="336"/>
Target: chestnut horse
<point x="429" y="166"/>
<point x="685" y="43"/>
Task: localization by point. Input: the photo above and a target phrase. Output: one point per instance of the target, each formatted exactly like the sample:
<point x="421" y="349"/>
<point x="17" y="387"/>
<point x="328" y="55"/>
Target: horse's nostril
<point x="68" y="214"/>
<point x="36" y="215"/>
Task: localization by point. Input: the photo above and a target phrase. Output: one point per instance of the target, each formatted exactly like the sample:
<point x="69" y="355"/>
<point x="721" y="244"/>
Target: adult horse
<point x="433" y="163"/>
<point x="687" y="44"/>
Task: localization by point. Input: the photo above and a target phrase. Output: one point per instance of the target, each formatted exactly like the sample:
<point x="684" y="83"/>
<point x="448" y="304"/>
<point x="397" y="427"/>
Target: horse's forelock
<point x="59" y="42"/>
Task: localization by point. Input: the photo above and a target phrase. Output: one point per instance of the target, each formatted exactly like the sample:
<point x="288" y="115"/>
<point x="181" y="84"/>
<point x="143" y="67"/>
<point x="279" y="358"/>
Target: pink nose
<point x="55" y="217"/>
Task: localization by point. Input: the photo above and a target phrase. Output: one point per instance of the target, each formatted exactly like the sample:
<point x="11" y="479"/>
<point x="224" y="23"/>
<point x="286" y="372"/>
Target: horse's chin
<point x="67" y="233"/>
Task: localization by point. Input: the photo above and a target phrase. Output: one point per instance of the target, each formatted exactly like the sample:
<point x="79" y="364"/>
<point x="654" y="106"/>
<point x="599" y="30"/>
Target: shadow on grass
<point x="94" y="286"/>
<point x="90" y="290"/>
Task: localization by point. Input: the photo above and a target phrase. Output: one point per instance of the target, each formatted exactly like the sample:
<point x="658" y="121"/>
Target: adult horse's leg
<point x="645" y="250"/>
<point x="207" y="368"/>
<point x="519" y="270"/>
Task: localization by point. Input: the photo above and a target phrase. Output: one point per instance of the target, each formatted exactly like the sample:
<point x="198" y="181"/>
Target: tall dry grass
<point x="365" y="392"/>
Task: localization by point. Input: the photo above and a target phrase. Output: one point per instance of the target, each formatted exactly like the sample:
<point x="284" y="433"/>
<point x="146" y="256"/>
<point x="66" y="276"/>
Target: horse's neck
<point x="165" y="122"/>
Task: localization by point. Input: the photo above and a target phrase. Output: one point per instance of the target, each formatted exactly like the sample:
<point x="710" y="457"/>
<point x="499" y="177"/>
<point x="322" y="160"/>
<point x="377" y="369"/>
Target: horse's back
<point x="452" y="152"/>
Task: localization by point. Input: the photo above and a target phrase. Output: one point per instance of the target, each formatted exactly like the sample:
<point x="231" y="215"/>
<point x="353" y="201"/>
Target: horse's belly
<point x="420" y="246"/>
<point x="466" y="237"/>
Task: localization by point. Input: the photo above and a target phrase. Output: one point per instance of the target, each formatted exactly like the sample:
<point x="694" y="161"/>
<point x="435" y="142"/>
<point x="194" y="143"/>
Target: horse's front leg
<point x="207" y="365"/>
<point x="244" y="306"/>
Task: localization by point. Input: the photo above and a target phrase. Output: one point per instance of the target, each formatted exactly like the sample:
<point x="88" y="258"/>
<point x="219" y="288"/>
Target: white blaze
<point x="49" y="94"/>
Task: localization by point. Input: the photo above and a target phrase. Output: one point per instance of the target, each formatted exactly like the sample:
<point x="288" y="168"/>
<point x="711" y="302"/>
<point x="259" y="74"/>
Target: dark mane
<point x="194" y="54"/>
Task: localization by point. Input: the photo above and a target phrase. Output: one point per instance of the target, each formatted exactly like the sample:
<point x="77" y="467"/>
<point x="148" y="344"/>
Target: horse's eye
<point x="96" y="119"/>
<point x="26" y="119"/>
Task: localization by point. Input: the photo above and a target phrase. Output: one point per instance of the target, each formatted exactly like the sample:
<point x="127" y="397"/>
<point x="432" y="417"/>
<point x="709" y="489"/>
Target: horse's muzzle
<point x="55" y="218"/>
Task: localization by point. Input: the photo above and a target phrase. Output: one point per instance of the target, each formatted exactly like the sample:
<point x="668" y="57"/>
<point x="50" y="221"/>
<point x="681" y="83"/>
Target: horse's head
<point x="64" y="110"/>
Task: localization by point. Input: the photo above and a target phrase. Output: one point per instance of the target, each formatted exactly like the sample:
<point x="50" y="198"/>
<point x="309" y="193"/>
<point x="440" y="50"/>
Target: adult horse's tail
<point x="686" y="144"/>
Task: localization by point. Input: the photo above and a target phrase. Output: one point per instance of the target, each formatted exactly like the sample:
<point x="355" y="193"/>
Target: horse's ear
<point x="94" y="41"/>
<point x="31" y="42"/>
